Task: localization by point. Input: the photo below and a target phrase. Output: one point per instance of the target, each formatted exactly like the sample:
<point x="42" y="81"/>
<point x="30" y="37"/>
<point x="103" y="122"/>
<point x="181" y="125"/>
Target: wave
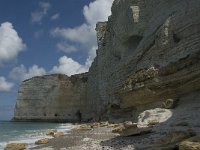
<point x="30" y="136"/>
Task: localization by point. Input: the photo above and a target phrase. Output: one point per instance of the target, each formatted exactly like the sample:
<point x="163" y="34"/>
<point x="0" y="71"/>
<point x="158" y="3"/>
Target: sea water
<point x="27" y="132"/>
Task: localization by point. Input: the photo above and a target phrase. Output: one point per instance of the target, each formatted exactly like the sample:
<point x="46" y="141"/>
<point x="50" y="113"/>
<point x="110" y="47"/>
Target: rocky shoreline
<point x="117" y="136"/>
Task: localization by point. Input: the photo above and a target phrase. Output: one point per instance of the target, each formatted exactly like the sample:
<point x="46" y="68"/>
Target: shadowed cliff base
<point x="156" y="128"/>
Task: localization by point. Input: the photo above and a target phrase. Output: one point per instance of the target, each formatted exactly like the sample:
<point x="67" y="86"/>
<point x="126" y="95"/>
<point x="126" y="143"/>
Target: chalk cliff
<point x="52" y="98"/>
<point x="148" y="52"/>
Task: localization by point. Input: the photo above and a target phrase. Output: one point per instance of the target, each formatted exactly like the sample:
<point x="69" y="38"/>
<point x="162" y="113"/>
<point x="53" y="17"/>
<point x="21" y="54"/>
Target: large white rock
<point x="157" y="115"/>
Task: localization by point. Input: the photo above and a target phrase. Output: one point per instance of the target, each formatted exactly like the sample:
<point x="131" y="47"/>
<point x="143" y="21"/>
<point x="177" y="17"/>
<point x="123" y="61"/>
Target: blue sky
<point x="39" y="37"/>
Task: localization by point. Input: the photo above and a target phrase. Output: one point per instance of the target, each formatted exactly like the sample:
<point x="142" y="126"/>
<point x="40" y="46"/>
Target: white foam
<point x="2" y="145"/>
<point x="30" y="141"/>
<point x="31" y="136"/>
<point x="64" y="128"/>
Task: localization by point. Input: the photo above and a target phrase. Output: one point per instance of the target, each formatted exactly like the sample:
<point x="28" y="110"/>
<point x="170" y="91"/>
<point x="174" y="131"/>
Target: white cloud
<point x="91" y="56"/>
<point x="5" y="86"/>
<point x="65" y="65"/>
<point x="55" y="16"/>
<point x="68" y="66"/>
<point x="10" y="43"/>
<point x="38" y="15"/>
<point x="21" y="73"/>
<point x="85" y="34"/>
<point x="98" y="10"/>
<point x="66" y="47"/>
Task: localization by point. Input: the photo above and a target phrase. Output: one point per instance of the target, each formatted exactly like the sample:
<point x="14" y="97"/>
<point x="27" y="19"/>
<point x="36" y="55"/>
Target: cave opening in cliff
<point x="176" y="38"/>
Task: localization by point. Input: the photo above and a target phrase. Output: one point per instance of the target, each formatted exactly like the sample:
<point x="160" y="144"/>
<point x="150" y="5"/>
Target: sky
<point x="40" y="37"/>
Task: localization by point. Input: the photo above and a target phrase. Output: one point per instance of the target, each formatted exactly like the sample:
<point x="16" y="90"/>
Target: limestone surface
<point x="52" y="98"/>
<point x="148" y="57"/>
<point x="149" y="51"/>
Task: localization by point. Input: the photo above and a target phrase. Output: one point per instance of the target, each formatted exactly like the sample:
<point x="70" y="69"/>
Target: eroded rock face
<point x="52" y="98"/>
<point x="149" y="51"/>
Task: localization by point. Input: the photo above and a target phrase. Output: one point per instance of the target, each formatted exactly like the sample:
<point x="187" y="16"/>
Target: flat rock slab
<point x="134" y="131"/>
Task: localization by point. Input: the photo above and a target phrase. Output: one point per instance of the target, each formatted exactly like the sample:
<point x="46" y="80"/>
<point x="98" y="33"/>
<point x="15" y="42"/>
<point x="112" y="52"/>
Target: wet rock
<point x="50" y="132"/>
<point x="42" y="141"/>
<point x="84" y="127"/>
<point x="58" y="134"/>
<point x="15" y="146"/>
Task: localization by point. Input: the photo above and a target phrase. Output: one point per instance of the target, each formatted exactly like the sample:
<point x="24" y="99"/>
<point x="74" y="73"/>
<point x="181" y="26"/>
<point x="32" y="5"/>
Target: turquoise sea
<point x="27" y="132"/>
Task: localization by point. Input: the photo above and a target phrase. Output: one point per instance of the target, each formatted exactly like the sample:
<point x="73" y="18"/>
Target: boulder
<point x="84" y="127"/>
<point x="42" y="141"/>
<point x="170" y="103"/>
<point x="50" y="132"/>
<point x="102" y="124"/>
<point x="58" y="134"/>
<point x="153" y="116"/>
<point x="15" y="146"/>
<point x="190" y="144"/>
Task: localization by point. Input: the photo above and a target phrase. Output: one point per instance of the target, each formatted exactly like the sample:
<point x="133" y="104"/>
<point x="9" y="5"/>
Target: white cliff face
<point x="52" y="98"/>
<point x="148" y="51"/>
